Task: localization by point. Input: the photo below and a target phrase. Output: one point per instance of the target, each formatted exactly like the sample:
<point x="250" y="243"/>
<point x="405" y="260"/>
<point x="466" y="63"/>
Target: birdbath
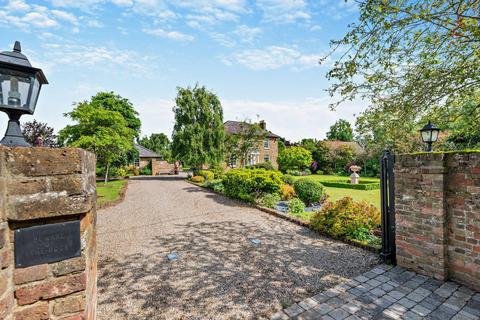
<point x="355" y="177"/>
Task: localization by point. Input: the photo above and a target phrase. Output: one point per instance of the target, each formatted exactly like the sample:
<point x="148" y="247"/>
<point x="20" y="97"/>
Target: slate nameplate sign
<point x="47" y="243"/>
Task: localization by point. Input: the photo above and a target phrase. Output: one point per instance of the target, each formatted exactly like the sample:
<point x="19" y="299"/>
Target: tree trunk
<point x="106" y="174"/>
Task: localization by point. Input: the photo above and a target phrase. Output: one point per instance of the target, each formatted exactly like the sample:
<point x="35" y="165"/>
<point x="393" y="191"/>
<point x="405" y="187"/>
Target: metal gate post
<point x="387" y="184"/>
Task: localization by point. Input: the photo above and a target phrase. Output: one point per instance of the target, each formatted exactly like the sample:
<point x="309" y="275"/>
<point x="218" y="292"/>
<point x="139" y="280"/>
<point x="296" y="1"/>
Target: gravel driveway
<point x="220" y="273"/>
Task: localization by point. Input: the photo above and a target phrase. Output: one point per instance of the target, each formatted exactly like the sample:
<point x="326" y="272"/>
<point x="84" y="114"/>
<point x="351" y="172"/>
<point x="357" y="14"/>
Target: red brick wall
<point x="41" y="186"/>
<point x="438" y="215"/>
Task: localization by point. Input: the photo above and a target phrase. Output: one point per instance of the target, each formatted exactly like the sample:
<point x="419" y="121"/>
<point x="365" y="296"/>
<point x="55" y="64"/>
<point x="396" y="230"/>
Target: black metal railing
<point x="387" y="183"/>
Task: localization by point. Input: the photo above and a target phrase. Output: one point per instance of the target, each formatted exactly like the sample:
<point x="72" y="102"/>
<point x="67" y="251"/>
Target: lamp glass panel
<point x="434" y="135"/>
<point x="427" y="136"/>
<point x="15" y="89"/>
<point x="34" y="95"/>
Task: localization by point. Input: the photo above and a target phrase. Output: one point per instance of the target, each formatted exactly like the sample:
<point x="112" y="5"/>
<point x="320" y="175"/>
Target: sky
<point x="259" y="56"/>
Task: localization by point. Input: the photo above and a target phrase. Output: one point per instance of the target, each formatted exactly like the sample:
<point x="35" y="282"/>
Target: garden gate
<point x="387" y="184"/>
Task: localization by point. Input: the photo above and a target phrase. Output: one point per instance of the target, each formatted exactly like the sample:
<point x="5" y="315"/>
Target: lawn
<point x="109" y="192"/>
<point x="371" y="196"/>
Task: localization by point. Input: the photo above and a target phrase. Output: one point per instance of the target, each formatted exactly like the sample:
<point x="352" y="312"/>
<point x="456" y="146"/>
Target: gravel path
<point x="220" y="273"/>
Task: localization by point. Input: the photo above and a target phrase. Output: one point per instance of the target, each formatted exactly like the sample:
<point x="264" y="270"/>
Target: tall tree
<point x="198" y="134"/>
<point x="341" y="130"/>
<point x="114" y="102"/>
<point x="246" y="141"/>
<point x="409" y="57"/>
<point x="33" y="130"/>
<point x="101" y="131"/>
<point x="309" y="144"/>
<point x="294" y="158"/>
<point x="159" y="143"/>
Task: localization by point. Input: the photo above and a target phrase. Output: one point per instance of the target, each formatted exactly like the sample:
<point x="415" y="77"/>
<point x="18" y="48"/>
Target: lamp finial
<point x="17" y="47"/>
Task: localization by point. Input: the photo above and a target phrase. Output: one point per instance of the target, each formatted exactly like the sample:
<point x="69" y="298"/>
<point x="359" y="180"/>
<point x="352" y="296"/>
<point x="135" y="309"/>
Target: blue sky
<point x="259" y="56"/>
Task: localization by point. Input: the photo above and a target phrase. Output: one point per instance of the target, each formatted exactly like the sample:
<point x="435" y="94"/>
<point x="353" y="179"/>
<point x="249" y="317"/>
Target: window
<point x="233" y="162"/>
<point x="266" y="158"/>
<point x="252" y="159"/>
<point x="266" y="143"/>
<point x="137" y="162"/>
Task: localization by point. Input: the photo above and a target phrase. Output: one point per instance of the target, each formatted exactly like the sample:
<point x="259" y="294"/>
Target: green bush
<point x="264" y="165"/>
<point x="309" y="191"/>
<point x="246" y="184"/>
<point x="118" y="172"/>
<point x="215" y="185"/>
<point x="347" y="219"/>
<point x="207" y="174"/>
<point x="268" y="200"/>
<point x="294" y="158"/>
<point x="296" y="206"/>
<point x="218" y="172"/>
<point x="293" y="172"/>
<point x="198" y="179"/>
<point x="288" y="179"/>
<point x="146" y="171"/>
<point x="363" y="185"/>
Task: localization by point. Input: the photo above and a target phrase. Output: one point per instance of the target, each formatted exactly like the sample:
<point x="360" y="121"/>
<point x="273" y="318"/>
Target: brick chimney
<point x="263" y="124"/>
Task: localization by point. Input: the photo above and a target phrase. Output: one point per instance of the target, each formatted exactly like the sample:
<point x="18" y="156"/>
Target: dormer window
<point x="266" y="143"/>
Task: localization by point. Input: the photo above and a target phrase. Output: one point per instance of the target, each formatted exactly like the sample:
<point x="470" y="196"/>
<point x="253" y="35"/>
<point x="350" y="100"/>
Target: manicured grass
<point x="371" y="196"/>
<point x="109" y="192"/>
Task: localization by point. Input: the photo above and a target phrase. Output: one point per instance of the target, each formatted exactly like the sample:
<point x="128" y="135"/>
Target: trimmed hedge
<point x="247" y="184"/>
<point x="309" y="191"/>
<point x="365" y="185"/>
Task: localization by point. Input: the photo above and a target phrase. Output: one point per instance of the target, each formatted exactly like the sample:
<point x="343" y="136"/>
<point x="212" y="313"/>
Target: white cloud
<point x="222" y="39"/>
<point x="107" y="58"/>
<point x="39" y="19"/>
<point x="284" y="10"/>
<point x="275" y="57"/>
<point x="65" y="16"/>
<point x="247" y="34"/>
<point x="17" y="5"/>
<point x="316" y="28"/>
<point x="174" y="35"/>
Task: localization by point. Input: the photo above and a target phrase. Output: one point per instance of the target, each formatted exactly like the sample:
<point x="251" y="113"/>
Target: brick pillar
<point x="43" y="186"/>
<point x="421" y="219"/>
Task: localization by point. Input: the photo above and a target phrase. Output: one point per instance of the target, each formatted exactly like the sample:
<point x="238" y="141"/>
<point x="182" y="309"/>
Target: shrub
<point x="363" y="185"/>
<point x="309" y="191"/>
<point x="288" y="179"/>
<point x="264" y="165"/>
<point x="268" y="200"/>
<point x="207" y="174"/>
<point x="287" y="192"/>
<point x="198" y="179"/>
<point x="307" y="172"/>
<point x="319" y="172"/>
<point x="293" y="172"/>
<point x="296" y="206"/>
<point x="118" y="172"/>
<point x="215" y="185"/>
<point x="218" y="172"/>
<point x="132" y="170"/>
<point x="347" y="219"/>
<point x="146" y="171"/>
<point x="294" y="158"/>
<point x="247" y="183"/>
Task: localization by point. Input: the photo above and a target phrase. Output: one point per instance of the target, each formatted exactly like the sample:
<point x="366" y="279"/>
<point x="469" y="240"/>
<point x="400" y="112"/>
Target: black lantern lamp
<point x="20" y="85"/>
<point x="429" y="134"/>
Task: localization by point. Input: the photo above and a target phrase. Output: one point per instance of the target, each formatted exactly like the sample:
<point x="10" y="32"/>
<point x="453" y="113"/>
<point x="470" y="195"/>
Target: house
<point x="148" y="157"/>
<point x="335" y="144"/>
<point x="267" y="150"/>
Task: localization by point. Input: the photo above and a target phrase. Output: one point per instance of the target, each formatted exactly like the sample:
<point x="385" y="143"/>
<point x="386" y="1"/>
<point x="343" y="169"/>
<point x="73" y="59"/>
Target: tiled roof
<point x="234" y="127"/>
<point x="146" y="153"/>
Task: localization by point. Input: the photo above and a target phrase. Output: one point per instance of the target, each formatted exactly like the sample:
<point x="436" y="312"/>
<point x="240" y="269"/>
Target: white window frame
<point x="266" y="143"/>
<point x="266" y="158"/>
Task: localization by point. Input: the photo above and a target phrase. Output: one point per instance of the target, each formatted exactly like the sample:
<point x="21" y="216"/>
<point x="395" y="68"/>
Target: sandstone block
<point x="68" y="266"/>
<point x="68" y="305"/>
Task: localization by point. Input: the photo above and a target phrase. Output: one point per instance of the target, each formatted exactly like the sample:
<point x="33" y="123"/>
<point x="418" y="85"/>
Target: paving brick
<point x="293" y="310"/>
<point x="415" y="297"/>
<point x="374" y="283"/>
<point x="309" y="315"/>
<point x="323" y="308"/>
<point x="422" y="311"/>
<point x="339" y="314"/>
<point x="396" y="294"/>
<point x="308" y="303"/>
<point x="407" y="303"/>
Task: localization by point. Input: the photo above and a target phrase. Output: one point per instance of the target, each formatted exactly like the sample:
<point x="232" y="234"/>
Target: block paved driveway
<point x="219" y="273"/>
<point x="388" y="293"/>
